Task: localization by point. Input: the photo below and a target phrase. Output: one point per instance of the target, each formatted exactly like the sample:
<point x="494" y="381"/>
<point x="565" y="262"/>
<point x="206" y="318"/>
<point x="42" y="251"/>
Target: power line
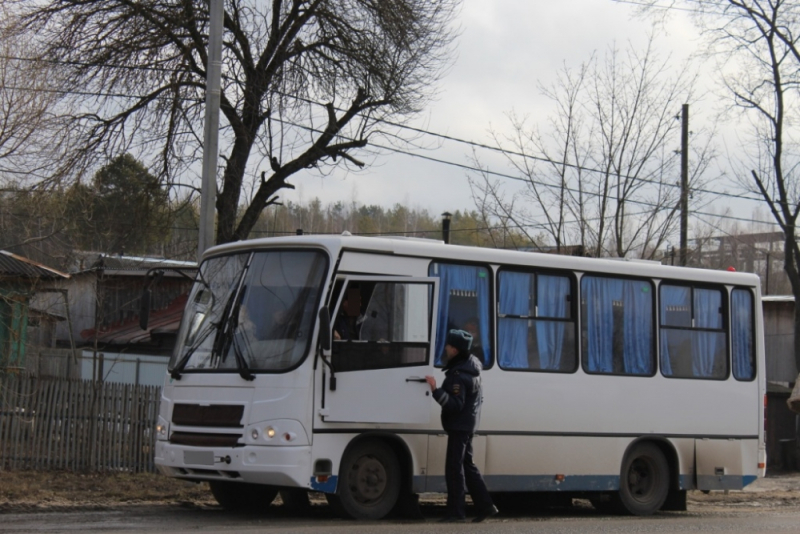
<point x="429" y="158"/>
<point x="526" y="180"/>
<point x="671" y="7"/>
<point x="470" y="143"/>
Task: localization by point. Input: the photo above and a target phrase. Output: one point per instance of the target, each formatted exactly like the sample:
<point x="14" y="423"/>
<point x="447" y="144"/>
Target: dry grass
<point x="20" y="489"/>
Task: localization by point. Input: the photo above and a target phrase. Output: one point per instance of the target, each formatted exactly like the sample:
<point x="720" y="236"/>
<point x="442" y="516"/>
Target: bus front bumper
<point x="277" y="466"/>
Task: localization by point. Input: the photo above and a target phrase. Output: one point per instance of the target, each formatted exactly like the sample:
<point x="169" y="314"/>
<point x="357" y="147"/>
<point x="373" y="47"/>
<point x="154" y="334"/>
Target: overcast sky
<point x="506" y="49"/>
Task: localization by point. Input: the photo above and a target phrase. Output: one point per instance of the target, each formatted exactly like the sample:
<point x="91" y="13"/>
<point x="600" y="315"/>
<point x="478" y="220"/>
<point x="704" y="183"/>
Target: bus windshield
<point x="252" y="311"/>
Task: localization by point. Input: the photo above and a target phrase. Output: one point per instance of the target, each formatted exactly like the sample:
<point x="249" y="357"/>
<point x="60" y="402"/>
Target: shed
<point x="781" y="370"/>
<point x="21" y="279"/>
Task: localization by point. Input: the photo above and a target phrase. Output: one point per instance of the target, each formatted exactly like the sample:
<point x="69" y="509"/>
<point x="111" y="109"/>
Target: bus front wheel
<point x="644" y="480"/>
<point x="369" y="481"/>
<point x="242" y="496"/>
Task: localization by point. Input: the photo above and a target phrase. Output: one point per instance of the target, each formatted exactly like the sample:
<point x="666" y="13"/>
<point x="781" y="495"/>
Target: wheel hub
<point x="368" y="479"/>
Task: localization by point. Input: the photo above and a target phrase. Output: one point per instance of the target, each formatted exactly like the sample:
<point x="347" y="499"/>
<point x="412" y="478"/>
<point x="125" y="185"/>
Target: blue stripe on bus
<point x="329" y="486"/>
<point x="436" y="484"/>
<point x="571" y="483"/>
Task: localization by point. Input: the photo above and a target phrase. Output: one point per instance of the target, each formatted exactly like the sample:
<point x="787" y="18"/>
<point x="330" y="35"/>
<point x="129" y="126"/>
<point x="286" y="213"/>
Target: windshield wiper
<point x="228" y="341"/>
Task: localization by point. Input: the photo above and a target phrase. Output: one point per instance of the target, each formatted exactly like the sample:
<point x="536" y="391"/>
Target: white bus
<point x="300" y="364"/>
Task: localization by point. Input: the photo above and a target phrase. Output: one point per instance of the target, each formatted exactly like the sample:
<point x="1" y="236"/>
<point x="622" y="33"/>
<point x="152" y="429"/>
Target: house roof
<point x="118" y="264"/>
<point x="164" y="321"/>
<point x="18" y="266"/>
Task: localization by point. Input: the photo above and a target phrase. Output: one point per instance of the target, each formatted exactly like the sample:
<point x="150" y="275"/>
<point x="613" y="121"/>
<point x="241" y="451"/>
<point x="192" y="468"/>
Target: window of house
<point x="693" y="340"/>
<point x="463" y="304"/>
<point x="742" y="338"/>
<point x="535" y="324"/>
<point x="617" y="326"/>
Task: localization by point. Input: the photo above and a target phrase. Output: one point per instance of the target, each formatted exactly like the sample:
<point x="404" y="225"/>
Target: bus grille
<point x="215" y="415"/>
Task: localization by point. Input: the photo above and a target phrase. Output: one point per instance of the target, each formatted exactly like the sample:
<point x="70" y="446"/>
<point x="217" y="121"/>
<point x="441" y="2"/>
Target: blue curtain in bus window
<point x="676" y="310"/>
<point x="461" y="278"/>
<point x="742" y="334"/>
<point x="598" y="295"/>
<point x="637" y="343"/>
<point x="552" y="293"/>
<point x="512" y="334"/>
<point x="707" y="311"/>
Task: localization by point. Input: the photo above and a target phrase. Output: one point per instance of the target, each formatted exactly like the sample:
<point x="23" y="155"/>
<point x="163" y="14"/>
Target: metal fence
<point x="48" y="423"/>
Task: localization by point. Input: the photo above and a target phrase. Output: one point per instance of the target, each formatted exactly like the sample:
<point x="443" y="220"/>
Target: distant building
<point x="783" y="438"/>
<point x="24" y="327"/>
<point x="104" y="294"/>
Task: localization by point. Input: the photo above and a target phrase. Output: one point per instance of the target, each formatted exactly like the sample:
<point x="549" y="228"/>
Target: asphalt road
<point x="190" y="519"/>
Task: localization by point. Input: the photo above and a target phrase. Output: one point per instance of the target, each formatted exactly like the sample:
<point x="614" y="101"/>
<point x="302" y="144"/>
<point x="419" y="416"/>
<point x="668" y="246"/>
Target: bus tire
<point x="242" y="496"/>
<point x="369" y="481"/>
<point x="644" y="480"/>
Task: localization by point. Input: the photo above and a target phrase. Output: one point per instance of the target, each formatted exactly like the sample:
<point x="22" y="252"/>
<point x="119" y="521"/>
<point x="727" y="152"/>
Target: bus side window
<point x="463" y="304"/>
<point x="617" y="327"/>
<point x="692" y="338"/>
<point x="742" y="338"/>
<point x="535" y="328"/>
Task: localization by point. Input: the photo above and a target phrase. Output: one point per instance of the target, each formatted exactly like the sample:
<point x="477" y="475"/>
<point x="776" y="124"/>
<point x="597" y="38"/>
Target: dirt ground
<point x="32" y="491"/>
<point x="38" y="491"/>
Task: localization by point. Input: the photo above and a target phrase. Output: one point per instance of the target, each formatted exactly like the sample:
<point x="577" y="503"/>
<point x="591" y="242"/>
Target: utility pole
<point x="208" y="192"/>
<point x="684" y="183"/>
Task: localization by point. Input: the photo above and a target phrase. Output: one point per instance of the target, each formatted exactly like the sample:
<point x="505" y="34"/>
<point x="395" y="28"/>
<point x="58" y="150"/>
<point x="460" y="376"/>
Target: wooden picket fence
<point x="77" y="425"/>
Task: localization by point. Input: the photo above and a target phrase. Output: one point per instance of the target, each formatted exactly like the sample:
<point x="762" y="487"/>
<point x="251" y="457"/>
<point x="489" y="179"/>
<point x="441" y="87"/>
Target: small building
<point x="783" y="425"/>
<point x="104" y="295"/>
<point x="24" y="327"/>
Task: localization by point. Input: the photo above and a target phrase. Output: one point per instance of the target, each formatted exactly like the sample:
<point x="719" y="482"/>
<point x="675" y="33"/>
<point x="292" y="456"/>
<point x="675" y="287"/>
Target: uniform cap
<point x="459" y="339"/>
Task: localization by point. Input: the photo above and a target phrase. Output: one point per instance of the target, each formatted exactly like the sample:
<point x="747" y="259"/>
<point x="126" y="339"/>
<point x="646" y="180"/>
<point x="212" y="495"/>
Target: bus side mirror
<point x="144" y="311"/>
<point x="325" y="329"/>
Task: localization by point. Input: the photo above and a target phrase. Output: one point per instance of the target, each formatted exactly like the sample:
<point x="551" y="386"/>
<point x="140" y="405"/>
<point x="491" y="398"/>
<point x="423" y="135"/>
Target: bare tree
<point x="305" y="84"/>
<point x="755" y="43"/>
<point x="602" y="173"/>
<point x="26" y="104"/>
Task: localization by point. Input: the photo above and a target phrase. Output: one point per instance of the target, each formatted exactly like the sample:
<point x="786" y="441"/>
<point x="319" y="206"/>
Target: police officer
<point x="460" y="397"/>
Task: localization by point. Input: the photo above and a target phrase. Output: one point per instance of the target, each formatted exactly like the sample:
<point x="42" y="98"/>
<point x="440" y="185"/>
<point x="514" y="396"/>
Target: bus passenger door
<point x="382" y="351"/>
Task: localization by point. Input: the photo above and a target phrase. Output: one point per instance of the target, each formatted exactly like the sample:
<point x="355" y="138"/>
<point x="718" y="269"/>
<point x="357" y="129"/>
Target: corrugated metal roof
<point x="14" y="265"/>
<point x="167" y="320"/>
<point x="90" y="261"/>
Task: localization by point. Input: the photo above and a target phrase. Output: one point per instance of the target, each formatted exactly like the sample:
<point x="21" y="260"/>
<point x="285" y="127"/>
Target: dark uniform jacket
<point x="460" y="395"/>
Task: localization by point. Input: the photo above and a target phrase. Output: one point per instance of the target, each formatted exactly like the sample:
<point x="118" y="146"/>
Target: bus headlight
<point x="277" y="432"/>
<point x="162" y="429"/>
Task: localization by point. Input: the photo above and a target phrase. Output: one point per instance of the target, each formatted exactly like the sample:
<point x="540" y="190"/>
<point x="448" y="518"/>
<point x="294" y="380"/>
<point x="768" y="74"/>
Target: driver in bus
<point x="349" y="320"/>
<point x="460" y="398"/>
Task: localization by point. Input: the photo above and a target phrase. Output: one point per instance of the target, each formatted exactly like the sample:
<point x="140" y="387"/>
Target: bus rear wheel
<point x="242" y="496"/>
<point x="644" y="480"/>
<point x="369" y="481"/>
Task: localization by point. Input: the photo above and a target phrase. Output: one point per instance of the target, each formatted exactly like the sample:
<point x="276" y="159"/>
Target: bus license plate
<point x="198" y="457"/>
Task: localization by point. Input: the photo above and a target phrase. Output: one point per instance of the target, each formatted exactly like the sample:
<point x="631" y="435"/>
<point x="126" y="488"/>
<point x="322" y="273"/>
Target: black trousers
<point x="462" y="475"/>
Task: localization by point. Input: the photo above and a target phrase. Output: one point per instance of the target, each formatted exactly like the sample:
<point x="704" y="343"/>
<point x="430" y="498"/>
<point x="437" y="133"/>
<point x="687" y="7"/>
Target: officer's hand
<point x="431" y="382"/>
